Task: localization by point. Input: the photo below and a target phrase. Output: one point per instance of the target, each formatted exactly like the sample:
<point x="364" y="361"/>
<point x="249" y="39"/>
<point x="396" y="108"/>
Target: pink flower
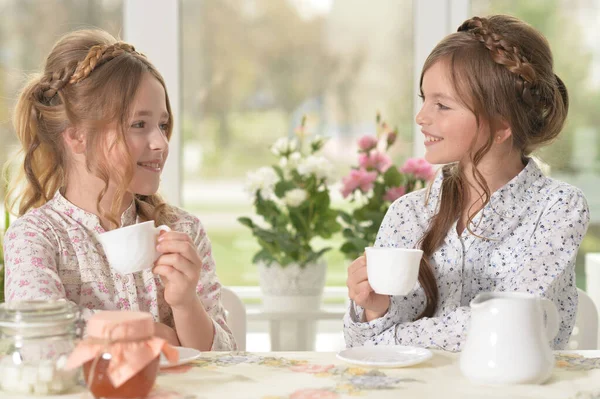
<point x="367" y="143"/>
<point x="418" y="167"/>
<point x="375" y="160"/>
<point x="358" y="179"/>
<point x="314" y="394"/>
<point x="394" y="193"/>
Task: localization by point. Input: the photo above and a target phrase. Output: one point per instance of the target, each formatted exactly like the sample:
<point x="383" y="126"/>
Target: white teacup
<point x="133" y="248"/>
<point x="393" y="271"/>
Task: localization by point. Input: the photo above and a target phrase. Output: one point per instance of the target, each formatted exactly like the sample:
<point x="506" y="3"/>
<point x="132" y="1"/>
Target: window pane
<point x="571" y="27"/>
<point x="28" y="30"/>
<point x="253" y="68"/>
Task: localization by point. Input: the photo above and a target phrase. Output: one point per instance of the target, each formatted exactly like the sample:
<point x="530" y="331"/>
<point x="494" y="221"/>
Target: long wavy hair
<point x="89" y="82"/>
<point x="502" y="69"/>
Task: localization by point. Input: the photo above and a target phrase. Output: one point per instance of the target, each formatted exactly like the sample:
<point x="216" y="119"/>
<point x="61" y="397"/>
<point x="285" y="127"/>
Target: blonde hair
<point x="89" y="81"/>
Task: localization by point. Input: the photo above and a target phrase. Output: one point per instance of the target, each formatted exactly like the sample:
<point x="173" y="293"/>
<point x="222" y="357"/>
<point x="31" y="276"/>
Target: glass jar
<point x="97" y="376"/>
<point x="36" y="338"/>
<point x="120" y="354"/>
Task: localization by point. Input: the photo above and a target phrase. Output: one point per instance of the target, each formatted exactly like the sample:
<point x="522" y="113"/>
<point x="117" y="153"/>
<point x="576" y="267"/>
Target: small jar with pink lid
<point x="120" y="354"/>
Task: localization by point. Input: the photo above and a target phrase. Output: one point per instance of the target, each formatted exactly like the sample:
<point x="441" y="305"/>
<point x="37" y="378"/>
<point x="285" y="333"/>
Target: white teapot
<point x="507" y="341"/>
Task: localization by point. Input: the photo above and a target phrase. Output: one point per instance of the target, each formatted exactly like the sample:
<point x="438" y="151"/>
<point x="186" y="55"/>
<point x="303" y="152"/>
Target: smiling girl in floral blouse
<point x="95" y="127"/>
<point x="491" y="221"/>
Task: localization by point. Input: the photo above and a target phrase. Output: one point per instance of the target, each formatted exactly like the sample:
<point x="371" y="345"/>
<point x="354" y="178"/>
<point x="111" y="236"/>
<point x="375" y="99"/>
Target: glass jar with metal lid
<point x="36" y="338"/>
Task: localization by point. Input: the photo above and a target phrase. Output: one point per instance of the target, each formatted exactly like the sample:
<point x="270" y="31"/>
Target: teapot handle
<point x="552" y="319"/>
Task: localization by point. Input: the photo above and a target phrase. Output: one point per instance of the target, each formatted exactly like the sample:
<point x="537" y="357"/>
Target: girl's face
<point x="147" y="136"/>
<point x="449" y="127"/>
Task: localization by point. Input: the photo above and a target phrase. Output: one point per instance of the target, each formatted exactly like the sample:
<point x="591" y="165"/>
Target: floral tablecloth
<point x="319" y="375"/>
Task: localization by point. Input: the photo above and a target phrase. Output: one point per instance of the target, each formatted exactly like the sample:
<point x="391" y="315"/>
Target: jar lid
<point x="120" y="325"/>
<point x="38" y="313"/>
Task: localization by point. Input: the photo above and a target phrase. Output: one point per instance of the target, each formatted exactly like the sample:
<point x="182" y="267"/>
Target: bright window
<point x="253" y="68"/>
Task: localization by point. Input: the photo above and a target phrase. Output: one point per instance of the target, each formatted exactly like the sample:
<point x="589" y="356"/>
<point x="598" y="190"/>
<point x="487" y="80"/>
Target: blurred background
<point x="248" y="70"/>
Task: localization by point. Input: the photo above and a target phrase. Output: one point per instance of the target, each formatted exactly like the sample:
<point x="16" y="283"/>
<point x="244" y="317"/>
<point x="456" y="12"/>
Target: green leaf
<point x="283" y="187"/>
<point x="393" y="178"/>
<point x="348" y="233"/>
<point x="348" y="247"/>
<point x="321" y="201"/>
<point x="299" y="221"/>
<point x="314" y="256"/>
<point x="267" y="209"/>
<point x="279" y="171"/>
<point x="353" y="250"/>
<point x="263" y="256"/>
<point x="378" y="193"/>
<point x="246" y="222"/>
<point x="346" y="217"/>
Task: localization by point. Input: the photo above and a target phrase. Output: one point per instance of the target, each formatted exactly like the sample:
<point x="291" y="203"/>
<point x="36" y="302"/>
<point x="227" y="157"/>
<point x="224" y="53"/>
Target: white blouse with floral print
<point x="531" y="228"/>
<point x="52" y="252"/>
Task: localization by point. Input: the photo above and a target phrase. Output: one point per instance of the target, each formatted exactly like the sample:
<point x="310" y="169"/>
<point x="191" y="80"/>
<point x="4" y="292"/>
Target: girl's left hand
<point x="179" y="268"/>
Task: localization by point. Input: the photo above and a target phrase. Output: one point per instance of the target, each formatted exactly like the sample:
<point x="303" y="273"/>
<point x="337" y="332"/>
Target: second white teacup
<point x="393" y="271"/>
<point x="133" y="248"/>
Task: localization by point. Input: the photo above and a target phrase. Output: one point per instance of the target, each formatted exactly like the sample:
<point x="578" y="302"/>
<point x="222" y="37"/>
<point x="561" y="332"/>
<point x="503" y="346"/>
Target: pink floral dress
<point x="52" y="252"/>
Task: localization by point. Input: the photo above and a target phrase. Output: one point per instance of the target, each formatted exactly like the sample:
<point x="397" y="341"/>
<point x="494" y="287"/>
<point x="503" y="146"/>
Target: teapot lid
<point x="483" y="297"/>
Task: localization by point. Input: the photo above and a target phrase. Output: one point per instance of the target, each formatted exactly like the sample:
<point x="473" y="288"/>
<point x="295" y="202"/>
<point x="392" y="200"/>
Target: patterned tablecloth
<point x="319" y="375"/>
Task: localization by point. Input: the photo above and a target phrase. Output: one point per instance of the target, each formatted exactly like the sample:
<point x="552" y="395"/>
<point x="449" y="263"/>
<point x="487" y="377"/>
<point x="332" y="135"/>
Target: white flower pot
<point x="292" y="290"/>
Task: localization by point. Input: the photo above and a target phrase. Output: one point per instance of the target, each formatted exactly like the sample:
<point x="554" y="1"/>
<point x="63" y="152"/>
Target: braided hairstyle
<point x="502" y="70"/>
<point x="88" y="83"/>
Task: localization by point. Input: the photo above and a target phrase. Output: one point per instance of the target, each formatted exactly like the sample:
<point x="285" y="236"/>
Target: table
<point x="319" y="375"/>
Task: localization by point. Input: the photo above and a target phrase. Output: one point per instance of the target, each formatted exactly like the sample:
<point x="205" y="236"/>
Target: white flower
<point x="262" y="180"/>
<point x="285" y="167"/>
<point x="317" y="165"/>
<point x="283" y="146"/>
<point x="294" y="159"/>
<point x="295" y="197"/>
<point x="291" y="162"/>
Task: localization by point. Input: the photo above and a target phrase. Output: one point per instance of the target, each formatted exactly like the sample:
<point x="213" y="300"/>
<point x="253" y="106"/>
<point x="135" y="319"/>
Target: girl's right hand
<point x="360" y="291"/>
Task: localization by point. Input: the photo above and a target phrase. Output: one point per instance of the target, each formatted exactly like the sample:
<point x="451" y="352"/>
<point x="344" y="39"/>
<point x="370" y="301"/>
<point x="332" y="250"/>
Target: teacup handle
<point x="163" y="227"/>
<point x="552" y="323"/>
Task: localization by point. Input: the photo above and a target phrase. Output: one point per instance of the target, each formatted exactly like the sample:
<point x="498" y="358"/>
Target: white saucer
<point x="385" y="356"/>
<point x="186" y="355"/>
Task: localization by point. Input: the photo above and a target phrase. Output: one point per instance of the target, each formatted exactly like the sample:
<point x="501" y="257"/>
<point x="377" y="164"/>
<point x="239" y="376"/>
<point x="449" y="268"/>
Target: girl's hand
<point x="360" y="291"/>
<point x="167" y="333"/>
<point x="179" y="268"/>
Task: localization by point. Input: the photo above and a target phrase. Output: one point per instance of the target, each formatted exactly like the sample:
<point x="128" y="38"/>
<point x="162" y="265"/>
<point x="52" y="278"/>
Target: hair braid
<point x="507" y="54"/>
<point x="97" y="56"/>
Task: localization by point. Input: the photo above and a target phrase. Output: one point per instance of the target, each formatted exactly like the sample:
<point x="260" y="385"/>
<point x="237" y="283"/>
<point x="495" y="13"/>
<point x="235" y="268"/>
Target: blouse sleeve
<point x="30" y="261"/>
<point x="209" y="292"/>
<point x="398" y="229"/>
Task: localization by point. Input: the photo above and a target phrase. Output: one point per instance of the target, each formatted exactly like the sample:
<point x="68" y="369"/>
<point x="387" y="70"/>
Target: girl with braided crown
<point x="491" y="221"/>
<point x="95" y="128"/>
